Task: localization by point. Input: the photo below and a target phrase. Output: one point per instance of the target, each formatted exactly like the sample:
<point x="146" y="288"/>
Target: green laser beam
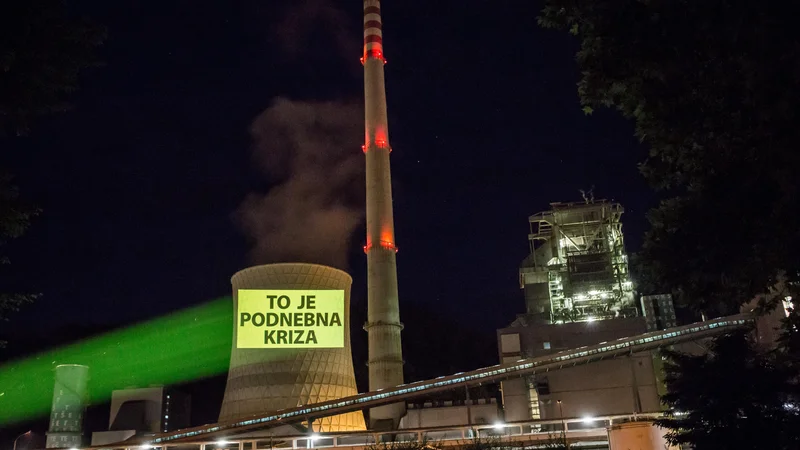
<point x="191" y="344"/>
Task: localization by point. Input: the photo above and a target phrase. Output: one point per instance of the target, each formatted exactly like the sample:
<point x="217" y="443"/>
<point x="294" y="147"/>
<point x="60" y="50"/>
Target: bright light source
<point x="588" y="419"/>
<point x="590" y="319"/>
<point x="314" y="437"/>
<point x="222" y="442"/>
<point x="788" y="305"/>
<point x="580" y="297"/>
<point x="499" y="425"/>
<point x="145" y="446"/>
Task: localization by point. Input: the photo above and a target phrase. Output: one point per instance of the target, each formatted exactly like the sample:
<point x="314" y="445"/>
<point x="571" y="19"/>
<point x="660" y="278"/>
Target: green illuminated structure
<point x="577" y="269"/>
<point x="69" y="404"/>
<point x="184" y="346"/>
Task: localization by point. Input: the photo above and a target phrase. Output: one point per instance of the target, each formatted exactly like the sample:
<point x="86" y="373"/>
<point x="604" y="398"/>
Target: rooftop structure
<point x="145" y="410"/>
<point x="577" y="269"/>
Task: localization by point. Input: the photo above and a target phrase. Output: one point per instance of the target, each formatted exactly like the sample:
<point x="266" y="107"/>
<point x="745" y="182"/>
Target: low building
<point x="451" y="413"/>
<point x="617" y="386"/>
<point x="578" y="292"/>
<point x="138" y="411"/>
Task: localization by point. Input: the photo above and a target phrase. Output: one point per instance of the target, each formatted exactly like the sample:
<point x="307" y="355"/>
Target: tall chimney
<point x="383" y="312"/>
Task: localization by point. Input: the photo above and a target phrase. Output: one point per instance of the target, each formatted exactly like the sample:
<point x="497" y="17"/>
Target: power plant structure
<point x="595" y="380"/>
<point x="262" y="380"/>
<point x="577" y="269"/>
<point x="578" y="292"/>
<point x="69" y="405"/>
<point x="582" y="353"/>
<point x="142" y="411"/>
<point x="383" y="311"/>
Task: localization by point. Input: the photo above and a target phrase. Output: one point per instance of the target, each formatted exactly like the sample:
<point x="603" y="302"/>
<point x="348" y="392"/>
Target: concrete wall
<point x="126" y="403"/>
<point x="637" y="436"/>
<point x="111" y="437"/>
<point x="602" y="388"/>
<point x="479" y="414"/>
<point x="515" y="400"/>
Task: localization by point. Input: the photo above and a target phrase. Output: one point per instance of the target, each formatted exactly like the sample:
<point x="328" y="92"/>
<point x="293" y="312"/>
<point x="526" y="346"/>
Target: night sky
<point x="140" y="185"/>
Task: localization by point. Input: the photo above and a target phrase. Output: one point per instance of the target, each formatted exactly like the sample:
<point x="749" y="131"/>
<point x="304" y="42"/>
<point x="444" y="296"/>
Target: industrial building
<point x="142" y="411"/>
<point x="577" y="270"/>
<point x="578" y="292"/>
<point x="581" y="353"/>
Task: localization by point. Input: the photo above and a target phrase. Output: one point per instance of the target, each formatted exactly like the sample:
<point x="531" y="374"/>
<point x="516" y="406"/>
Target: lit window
<point x="547" y="346"/>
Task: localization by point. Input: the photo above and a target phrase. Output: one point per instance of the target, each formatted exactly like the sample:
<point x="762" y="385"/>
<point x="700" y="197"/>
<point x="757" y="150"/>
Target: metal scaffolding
<point x="577" y="269"/>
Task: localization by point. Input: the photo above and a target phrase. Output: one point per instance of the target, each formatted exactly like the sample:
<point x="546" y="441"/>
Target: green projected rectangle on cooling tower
<point x="278" y="318"/>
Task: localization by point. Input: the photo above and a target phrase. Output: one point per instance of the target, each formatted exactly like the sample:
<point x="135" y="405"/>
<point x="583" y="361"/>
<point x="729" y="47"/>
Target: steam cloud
<point x="312" y="151"/>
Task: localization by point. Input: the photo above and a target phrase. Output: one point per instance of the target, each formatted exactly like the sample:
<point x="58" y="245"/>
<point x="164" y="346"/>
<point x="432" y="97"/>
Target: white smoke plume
<point x="312" y="151"/>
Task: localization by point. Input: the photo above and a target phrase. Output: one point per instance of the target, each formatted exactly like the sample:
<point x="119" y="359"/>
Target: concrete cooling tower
<point x="267" y="379"/>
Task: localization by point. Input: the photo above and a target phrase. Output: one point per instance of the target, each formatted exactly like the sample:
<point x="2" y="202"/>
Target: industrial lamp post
<point x="563" y="424"/>
<point x="23" y="434"/>
<point x="561" y="415"/>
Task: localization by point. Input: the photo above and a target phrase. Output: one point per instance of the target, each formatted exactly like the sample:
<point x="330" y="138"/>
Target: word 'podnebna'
<point x="286" y="319"/>
<point x="290" y="319"/>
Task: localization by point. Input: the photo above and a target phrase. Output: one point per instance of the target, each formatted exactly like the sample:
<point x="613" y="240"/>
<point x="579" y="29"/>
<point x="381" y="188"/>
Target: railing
<point x="577" y="430"/>
<point x="568" y="358"/>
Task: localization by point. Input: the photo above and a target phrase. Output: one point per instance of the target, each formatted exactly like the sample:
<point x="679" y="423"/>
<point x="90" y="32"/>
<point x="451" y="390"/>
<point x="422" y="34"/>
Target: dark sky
<point x="139" y="184"/>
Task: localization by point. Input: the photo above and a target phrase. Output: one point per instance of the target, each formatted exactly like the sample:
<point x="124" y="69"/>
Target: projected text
<point x="290" y="319"/>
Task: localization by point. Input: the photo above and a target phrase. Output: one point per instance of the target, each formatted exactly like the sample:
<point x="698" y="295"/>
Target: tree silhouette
<point x="42" y="51"/>
<point x="712" y="87"/>
<point x="733" y="396"/>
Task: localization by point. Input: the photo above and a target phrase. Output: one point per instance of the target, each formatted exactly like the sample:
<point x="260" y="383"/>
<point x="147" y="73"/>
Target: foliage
<point x="42" y="51"/>
<point x="788" y="349"/>
<point x="477" y="443"/>
<point x="712" y="87"/>
<point x="15" y="217"/>
<point x="734" y="396"/>
<point x="404" y="445"/>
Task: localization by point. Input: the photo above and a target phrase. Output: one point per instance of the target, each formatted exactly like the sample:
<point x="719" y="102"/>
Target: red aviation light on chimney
<point x="374" y="54"/>
<point x="383" y="244"/>
<point x="373" y="32"/>
<point x="379" y="143"/>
